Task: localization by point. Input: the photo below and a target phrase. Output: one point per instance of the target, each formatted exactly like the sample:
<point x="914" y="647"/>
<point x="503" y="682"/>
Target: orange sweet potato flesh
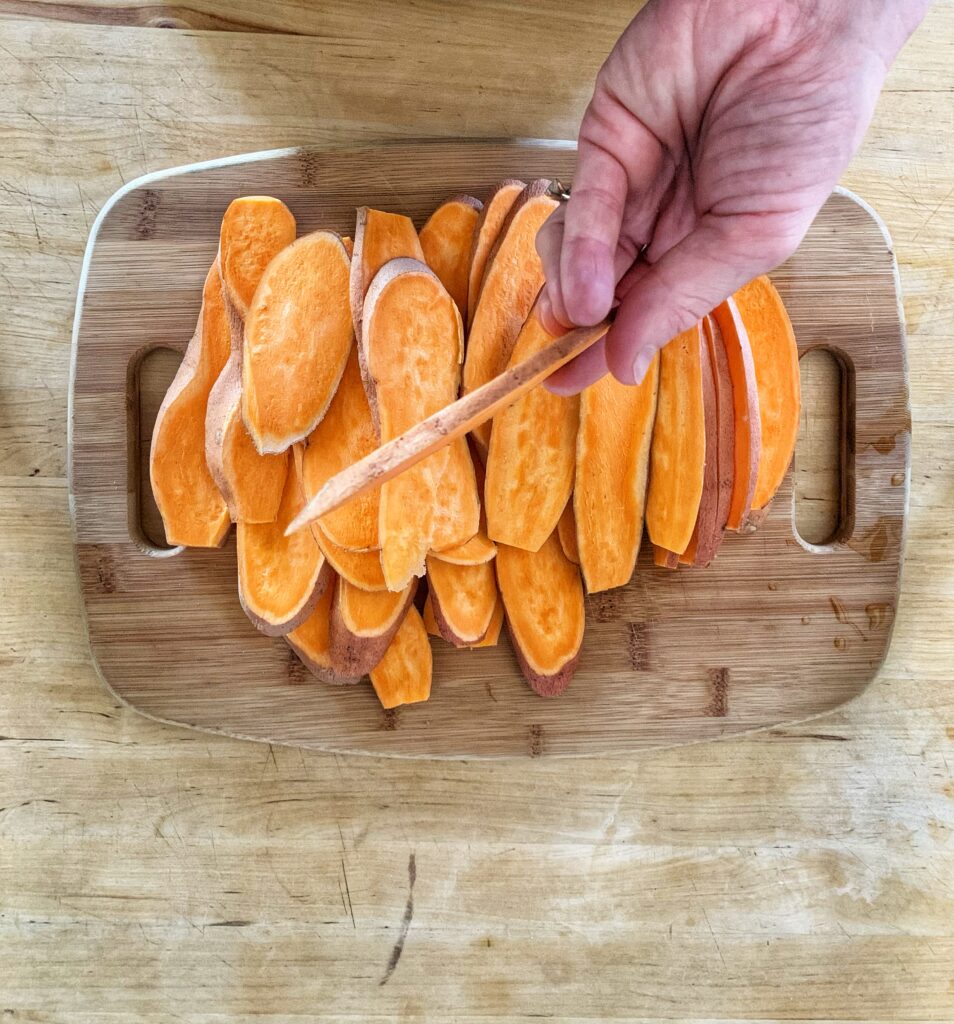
<point x="566" y="531"/>
<point x="479" y="548"/>
<point x="250" y="483"/>
<point x="678" y="452"/>
<point x="446" y="241"/>
<point x="403" y="675"/>
<point x="361" y="569"/>
<point x="543" y="597"/>
<point x="463" y="598"/>
<point x="414" y="341"/>
<point x="708" y="531"/>
<point x="379" y="237"/>
<point x="280" y="578"/>
<point x="745" y="398"/>
<point x="298" y="335"/>
<point x="725" y="414"/>
<point x="363" y="624"/>
<point x="491" y="637"/>
<point x="532" y="457"/>
<point x="194" y="513"/>
<point x="665" y="559"/>
<point x="612" y="468"/>
<point x="486" y="233"/>
<point x="457" y="515"/>
<point x="775" y="355"/>
<point x="512" y="280"/>
<point x="254" y="230"/>
<point x="311" y="641"/>
<point x="345" y="434"/>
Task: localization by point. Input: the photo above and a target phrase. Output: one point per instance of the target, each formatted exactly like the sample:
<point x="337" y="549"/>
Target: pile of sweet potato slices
<point x="312" y="351"/>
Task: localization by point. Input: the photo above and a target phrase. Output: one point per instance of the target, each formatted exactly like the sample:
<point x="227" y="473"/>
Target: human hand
<point x="716" y="131"/>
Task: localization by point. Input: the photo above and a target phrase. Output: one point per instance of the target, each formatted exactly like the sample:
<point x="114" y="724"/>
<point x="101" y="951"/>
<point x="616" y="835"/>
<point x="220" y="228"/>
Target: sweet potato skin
<point x="542" y="592"/>
<point x="355" y="650"/>
<point x="311" y="641"/>
<point x="194" y="513"/>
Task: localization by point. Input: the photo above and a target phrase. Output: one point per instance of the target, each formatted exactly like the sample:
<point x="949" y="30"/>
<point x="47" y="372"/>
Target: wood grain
<point x="155" y="874"/>
<point x="780" y="632"/>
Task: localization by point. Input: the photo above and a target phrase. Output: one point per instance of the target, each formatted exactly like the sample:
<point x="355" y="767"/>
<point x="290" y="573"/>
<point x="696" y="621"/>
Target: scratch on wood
<point x="639" y="646"/>
<point x="146" y="224"/>
<point x="405" y="921"/>
<point x="535" y="734"/>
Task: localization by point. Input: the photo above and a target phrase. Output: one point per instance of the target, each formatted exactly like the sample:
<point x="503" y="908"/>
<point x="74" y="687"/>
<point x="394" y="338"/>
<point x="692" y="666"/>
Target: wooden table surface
<point x="148" y="873"/>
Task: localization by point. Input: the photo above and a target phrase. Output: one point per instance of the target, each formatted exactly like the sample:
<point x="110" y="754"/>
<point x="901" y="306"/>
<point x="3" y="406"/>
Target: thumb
<point x="667" y="297"/>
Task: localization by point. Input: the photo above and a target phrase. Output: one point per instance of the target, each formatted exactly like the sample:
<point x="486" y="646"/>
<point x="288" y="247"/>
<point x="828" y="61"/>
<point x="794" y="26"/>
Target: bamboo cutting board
<point x="775" y="631"/>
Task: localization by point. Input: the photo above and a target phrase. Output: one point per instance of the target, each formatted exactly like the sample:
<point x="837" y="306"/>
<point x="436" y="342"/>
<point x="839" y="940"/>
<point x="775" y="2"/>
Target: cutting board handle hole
<point x="823" y="474"/>
<point x="148" y="376"/>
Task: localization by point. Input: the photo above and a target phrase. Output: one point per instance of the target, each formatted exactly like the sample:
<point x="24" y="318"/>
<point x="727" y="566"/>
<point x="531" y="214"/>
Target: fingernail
<point x="641" y="364"/>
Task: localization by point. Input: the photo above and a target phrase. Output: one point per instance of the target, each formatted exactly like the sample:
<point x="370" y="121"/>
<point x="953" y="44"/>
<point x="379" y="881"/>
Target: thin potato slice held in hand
<point x="486" y="233"/>
<point x="532" y="457"/>
<point x="447" y="240"/>
<point x="363" y="625"/>
<point x="311" y="641"/>
<point x="403" y="675"/>
<point x="612" y="469"/>
<point x="725" y="417"/>
<point x="512" y="281"/>
<point x="463" y="598"/>
<point x="775" y="356"/>
<point x="708" y="532"/>
<point x="414" y="339"/>
<point x="543" y="597"/>
<point x="345" y="434"/>
<point x="251" y="483"/>
<point x="297" y="338"/>
<point x="193" y="511"/>
<point x="254" y="230"/>
<point x="362" y="569"/>
<point x="745" y="398"/>
<point x="678" y="451"/>
<point x="280" y="578"/>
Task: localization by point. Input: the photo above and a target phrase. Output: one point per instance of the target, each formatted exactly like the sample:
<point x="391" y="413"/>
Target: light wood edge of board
<point x="446" y="425"/>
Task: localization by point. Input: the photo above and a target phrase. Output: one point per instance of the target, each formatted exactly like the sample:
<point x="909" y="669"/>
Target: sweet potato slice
<point x="363" y="625"/>
<point x="532" y="457"/>
<point x="254" y="230"/>
<point x="665" y="559"/>
<point x="379" y="237"/>
<point x="745" y="399"/>
<point x="678" y="451"/>
<point x="280" y="578"/>
<point x="414" y="341"/>
<point x="463" y="598"/>
<point x="725" y="414"/>
<point x="486" y="233"/>
<point x="491" y="637"/>
<point x="512" y="280"/>
<point x="427" y="616"/>
<point x="543" y="597"/>
<point x="775" y="355"/>
<point x="193" y="511"/>
<point x="612" y="468"/>
<point x="480" y="548"/>
<point x="311" y="641"/>
<point x="457" y="515"/>
<point x="345" y="434"/>
<point x="708" y="531"/>
<point x="446" y="241"/>
<point x="362" y="569"/>
<point x="297" y="338"/>
<point x="251" y="483"/>
<point x="403" y="675"/>
<point x="566" y="531"/>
